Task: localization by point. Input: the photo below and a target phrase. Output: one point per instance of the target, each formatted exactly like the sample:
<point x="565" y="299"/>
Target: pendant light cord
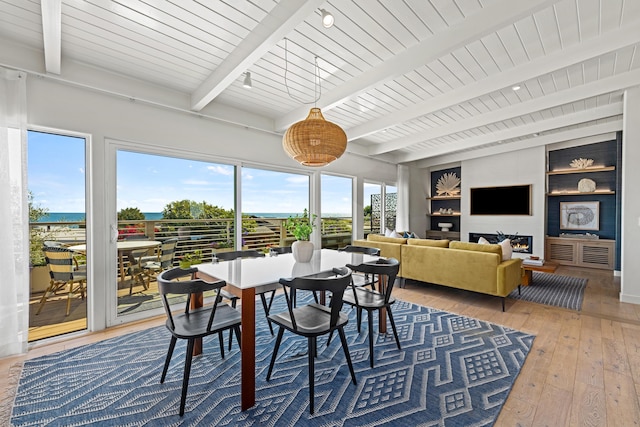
<point x="317" y="83"/>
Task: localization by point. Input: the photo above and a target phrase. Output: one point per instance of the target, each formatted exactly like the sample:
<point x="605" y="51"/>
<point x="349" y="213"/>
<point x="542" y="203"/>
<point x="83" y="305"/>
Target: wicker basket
<point x="314" y="141"/>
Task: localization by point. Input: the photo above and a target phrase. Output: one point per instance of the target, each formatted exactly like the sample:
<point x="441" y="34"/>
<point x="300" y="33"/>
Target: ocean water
<point x="80" y="216"/>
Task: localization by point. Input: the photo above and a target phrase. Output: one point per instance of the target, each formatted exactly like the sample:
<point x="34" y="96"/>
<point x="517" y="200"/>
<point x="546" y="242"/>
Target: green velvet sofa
<point x="469" y="266"/>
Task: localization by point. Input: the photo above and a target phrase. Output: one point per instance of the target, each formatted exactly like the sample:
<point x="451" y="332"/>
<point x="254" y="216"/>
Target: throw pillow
<point x="409" y="235"/>
<point x="507" y="250"/>
<point x="395" y="234"/>
<point x="483" y="241"/>
<point x="387" y="233"/>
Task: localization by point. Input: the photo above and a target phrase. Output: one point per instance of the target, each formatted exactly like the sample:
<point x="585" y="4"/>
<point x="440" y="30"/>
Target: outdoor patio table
<point x="244" y="275"/>
<point x="125" y="248"/>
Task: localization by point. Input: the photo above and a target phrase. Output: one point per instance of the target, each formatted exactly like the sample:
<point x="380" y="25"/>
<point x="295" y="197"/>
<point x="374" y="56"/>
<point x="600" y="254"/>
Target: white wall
<point x="630" y="266"/>
<point x="515" y="168"/>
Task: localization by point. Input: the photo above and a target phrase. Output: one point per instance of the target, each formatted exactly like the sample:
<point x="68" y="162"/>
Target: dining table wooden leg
<point x="197" y="301"/>
<point x="248" y="351"/>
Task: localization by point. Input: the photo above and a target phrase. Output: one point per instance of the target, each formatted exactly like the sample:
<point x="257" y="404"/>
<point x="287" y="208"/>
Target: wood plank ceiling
<point x="408" y="80"/>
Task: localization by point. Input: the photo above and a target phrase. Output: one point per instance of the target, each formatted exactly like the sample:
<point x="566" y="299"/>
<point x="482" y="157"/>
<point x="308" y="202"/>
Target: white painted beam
<point x="282" y="19"/>
<point x="517" y="132"/>
<point x="599" y="87"/>
<point x="596" y="131"/>
<point x="490" y="19"/>
<point x="594" y="48"/>
<point x="52" y="34"/>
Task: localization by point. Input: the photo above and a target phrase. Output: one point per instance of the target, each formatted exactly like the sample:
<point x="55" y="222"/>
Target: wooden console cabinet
<point x="593" y="253"/>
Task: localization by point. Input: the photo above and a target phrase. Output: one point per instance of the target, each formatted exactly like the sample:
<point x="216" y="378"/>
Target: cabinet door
<point x="562" y="252"/>
<point x="596" y="255"/>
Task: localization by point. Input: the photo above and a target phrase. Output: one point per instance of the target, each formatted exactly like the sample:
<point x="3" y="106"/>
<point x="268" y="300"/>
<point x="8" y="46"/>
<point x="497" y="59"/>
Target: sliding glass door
<point x="169" y="210"/>
<point x="337" y="205"/>
<point x="57" y="223"/>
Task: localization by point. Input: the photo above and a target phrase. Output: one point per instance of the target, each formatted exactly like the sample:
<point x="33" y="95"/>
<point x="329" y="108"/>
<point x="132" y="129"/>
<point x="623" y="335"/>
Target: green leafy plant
<point x="191" y="258"/>
<point x="301" y="227"/>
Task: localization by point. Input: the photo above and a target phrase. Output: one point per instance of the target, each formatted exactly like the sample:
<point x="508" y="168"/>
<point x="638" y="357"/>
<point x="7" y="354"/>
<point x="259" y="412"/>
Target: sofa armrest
<point x="509" y="276"/>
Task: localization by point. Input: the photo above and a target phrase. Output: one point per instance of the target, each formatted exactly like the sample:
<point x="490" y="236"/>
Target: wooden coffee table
<point x="547" y="267"/>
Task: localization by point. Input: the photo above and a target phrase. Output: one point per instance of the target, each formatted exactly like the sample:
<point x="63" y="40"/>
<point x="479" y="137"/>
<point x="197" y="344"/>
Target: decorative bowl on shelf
<point x="445" y="226"/>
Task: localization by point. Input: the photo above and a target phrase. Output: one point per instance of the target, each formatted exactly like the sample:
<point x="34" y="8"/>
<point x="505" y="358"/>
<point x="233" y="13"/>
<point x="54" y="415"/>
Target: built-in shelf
<point x="577" y="193"/>
<point x="439" y="214"/>
<point x="587" y="170"/>
<point x="444" y="198"/>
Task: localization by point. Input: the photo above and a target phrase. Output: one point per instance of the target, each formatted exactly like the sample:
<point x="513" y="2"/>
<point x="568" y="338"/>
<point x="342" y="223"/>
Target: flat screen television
<point x="510" y="200"/>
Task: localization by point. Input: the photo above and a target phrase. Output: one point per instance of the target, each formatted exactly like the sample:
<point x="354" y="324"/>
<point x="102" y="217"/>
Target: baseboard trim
<point x="632" y="299"/>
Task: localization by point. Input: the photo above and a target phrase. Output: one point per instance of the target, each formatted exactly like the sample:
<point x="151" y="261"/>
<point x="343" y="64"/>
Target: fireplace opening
<point x="520" y="244"/>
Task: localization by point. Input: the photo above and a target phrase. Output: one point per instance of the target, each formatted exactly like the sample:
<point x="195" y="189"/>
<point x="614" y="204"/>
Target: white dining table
<point x="125" y="248"/>
<point x="244" y="275"/>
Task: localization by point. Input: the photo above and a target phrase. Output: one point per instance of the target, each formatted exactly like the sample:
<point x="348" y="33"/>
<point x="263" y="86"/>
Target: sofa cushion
<point x="507" y="250"/>
<point x="429" y="242"/>
<point x="468" y="246"/>
<point x="380" y="238"/>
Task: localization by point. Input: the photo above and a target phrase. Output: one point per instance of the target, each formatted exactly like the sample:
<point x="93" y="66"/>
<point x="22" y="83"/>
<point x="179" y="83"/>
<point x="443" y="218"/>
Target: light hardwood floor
<point x="583" y="368"/>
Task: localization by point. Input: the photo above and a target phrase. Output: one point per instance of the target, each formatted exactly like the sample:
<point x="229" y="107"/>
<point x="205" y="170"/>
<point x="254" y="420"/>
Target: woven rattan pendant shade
<point x="314" y="141"/>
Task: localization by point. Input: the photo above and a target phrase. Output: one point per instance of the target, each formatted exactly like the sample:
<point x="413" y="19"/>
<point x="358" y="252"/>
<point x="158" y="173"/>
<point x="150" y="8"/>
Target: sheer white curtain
<point x="14" y="215"/>
<point x="402" y="209"/>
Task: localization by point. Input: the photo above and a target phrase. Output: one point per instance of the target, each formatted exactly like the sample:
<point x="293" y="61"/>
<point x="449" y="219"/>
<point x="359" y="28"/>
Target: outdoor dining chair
<point x="64" y="272"/>
<point x="314" y="320"/>
<point x="196" y="323"/>
<point x="370" y="300"/>
<point x="151" y="266"/>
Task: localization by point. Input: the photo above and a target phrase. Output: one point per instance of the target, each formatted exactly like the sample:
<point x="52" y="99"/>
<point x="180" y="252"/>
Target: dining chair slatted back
<point x="231" y="255"/>
<point x="371" y="300"/>
<point x="279" y="250"/>
<point x="151" y="266"/>
<point x="313" y="320"/>
<point x="63" y="272"/>
<point x="193" y="323"/>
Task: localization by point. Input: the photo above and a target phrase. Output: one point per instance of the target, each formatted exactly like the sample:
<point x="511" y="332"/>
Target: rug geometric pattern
<point x="452" y="370"/>
<point x="553" y="289"/>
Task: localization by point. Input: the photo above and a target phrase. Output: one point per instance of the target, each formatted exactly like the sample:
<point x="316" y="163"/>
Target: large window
<point x="336" y="203"/>
<point x="268" y="198"/>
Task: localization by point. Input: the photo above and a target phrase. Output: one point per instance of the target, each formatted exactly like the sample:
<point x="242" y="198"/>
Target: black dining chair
<point x="362" y="279"/>
<point x="370" y="300"/>
<point x="248" y="253"/>
<point x="193" y="323"/>
<point x="279" y="250"/>
<point x="313" y="320"/>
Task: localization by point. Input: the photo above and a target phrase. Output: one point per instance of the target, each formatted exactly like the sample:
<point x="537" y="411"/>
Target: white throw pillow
<point x="507" y="250"/>
<point x="387" y="233"/>
<point x="483" y="241"/>
<point x="395" y="234"/>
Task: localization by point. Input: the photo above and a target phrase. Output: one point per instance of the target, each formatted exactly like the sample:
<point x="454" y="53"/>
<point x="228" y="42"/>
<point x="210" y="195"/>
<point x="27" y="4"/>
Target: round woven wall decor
<point x="314" y="141"/>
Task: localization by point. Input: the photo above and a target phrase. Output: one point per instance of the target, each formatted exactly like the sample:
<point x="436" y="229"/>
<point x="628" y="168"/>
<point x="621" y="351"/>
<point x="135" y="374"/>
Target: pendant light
<point x="313" y="141"/>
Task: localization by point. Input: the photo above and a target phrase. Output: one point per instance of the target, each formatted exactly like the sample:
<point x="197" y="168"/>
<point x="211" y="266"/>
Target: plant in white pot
<point x="301" y="228"/>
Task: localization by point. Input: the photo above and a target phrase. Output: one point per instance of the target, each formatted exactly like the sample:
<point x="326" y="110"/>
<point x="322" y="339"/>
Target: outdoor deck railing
<point x="205" y="235"/>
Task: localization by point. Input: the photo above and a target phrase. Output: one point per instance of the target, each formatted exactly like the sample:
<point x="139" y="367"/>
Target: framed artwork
<point x="579" y="215"/>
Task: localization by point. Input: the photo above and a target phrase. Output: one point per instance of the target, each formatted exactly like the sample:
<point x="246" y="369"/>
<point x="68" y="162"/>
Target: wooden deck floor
<point x="583" y="369"/>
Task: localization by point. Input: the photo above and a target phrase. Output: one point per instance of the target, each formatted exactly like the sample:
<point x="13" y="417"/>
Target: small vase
<point x="302" y="250"/>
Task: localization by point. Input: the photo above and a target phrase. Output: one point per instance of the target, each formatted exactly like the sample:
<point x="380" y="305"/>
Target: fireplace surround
<point x="520" y="244"/>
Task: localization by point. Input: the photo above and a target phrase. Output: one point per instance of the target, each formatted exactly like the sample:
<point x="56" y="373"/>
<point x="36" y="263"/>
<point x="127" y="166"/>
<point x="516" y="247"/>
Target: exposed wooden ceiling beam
<point x="599" y="87"/>
<point x="583" y="52"/>
<point x="282" y="19"/>
<point x="490" y="19"/>
<point x="587" y="134"/>
<point x="517" y="132"/>
<point x="52" y="34"/>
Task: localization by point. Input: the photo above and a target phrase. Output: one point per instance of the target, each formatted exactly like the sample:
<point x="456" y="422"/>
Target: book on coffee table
<point x="534" y="262"/>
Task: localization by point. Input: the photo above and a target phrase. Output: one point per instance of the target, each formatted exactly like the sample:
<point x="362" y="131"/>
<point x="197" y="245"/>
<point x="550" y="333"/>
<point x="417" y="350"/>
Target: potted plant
<point x="301" y="228"/>
<point x="191" y="258"/>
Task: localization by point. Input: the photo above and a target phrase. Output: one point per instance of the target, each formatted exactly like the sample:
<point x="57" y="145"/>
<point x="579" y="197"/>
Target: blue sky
<point x="56" y="177"/>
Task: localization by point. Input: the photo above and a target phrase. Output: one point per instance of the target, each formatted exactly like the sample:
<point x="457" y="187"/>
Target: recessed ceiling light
<point x="536" y="134"/>
<point x="247" y="80"/>
<point x="515" y="87"/>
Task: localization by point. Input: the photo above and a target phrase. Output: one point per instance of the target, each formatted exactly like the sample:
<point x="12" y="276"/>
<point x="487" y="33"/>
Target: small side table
<point x="546" y="267"/>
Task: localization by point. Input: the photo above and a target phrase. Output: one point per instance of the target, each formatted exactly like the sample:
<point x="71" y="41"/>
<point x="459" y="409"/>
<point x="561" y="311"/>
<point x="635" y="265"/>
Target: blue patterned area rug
<point x="553" y="289"/>
<point x="452" y="370"/>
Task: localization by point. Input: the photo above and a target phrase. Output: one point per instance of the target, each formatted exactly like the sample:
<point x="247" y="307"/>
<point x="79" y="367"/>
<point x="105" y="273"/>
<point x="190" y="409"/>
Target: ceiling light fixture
<point x="327" y="19"/>
<point x="313" y="141"/>
<point x="247" y="81"/>
<point x="515" y="87"/>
